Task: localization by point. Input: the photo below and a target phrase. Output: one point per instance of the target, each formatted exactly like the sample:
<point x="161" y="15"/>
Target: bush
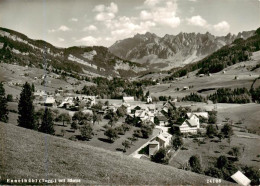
<point x="161" y="156"/>
<point x="195" y="165"/>
<point x="111" y="134"/>
<point x="86" y="131"/>
<point x="9" y="97"/>
<point x="138" y="133"/>
<point x="120" y="130"/>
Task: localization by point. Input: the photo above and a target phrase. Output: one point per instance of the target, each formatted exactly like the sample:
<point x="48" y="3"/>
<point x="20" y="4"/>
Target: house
<point x="39" y="93"/>
<point x="160" y="141"/>
<point x="153" y="147"/>
<point x="163" y="121"/>
<point x="149" y="99"/>
<point x="241" y="179"/>
<point x="128" y="99"/>
<point x="190" y="125"/>
<point x="198" y="114"/>
<point x="50" y="102"/>
<point x="185" y="88"/>
<point x="68" y="102"/>
<point x="168" y="105"/>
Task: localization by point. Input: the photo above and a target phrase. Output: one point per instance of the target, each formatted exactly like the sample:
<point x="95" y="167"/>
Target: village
<point x="153" y="114"/>
<point x="140" y="128"/>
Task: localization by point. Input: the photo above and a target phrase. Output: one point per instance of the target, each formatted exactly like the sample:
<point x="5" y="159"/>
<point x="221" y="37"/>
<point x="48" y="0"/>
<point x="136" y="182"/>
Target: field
<point x="17" y="74"/>
<point x="224" y="79"/>
<point x="67" y="159"/>
<point x="249" y="146"/>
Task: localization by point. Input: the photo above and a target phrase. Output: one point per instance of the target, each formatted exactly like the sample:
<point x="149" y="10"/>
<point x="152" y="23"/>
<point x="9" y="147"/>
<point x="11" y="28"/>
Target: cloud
<point x="222" y="26"/>
<point x="126" y="27"/>
<point x="89" y="40"/>
<point x="193" y="0"/>
<point x="103" y="16"/>
<point x="74" y="19"/>
<point x="62" y="28"/>
<point x="197" y="21"/>
<point x="90" y="28"/>
<point x="165" y="15"/>
<point x="105" y="12"/>
<point x="99" y="8"/>
<point x="145" y="15"/>
<point x="151" y="3"/>
<point x="61" y="39"/>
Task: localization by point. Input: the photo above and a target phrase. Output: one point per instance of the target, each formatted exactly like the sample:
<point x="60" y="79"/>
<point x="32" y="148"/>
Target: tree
<point x="86" y="131"/>
<point x="146" y="130"/>
<point x="26" y="116"/>
<point x="47" y="122"/>
<point x="96" y="118"/>
<point x="9" y="98"/>
<point x="161" y="156"/>
<point x="156" y="120"/>
<point x="111" y="134"/>
<point x="253" y="174"/>
<point x="220" y="136"/>
<point x="194" y="162"/>
<point x="211" y="131"/>
<point x="235" y="151"/>
<point x="222" y="162"/>
<point x="74" y="125"/>
<point x="126" y="144"/>
<point x="227" y="130"/>
<point x="64" y="117"/>
<point x="121" y="111"/>
<point x="214" y="172"/>
<point x="3" y="105"/>
<point x="177" y="142"/>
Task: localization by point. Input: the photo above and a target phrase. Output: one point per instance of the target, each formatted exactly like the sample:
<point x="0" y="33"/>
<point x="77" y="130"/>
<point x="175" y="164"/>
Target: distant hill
<point x="28" y="154"/>
<point x="172" y="50"/>
<point x="18" y="48"/>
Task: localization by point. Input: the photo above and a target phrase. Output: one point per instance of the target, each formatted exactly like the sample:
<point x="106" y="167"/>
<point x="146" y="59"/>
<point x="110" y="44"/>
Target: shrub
<point x="161" y="156"/>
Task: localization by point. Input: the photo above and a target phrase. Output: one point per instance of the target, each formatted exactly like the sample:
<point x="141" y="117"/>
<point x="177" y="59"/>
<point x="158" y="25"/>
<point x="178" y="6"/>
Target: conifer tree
<point x="3" y="105"/>
<point x="26" y="116"/>
<point x="47" y="122"/>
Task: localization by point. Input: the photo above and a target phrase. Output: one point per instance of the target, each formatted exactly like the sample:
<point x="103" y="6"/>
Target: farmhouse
<point x="163" y="121"/>
<point x="160" y="141"/>
<point x="128" y="99"/>
<point x="190" y="125"/>
<point x="198" y="114"/>
<point x="39" y="93"/>
<point x="50" y="102"/>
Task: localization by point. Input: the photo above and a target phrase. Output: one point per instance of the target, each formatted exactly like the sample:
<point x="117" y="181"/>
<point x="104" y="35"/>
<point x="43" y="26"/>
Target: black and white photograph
<point x="130" y="92"/>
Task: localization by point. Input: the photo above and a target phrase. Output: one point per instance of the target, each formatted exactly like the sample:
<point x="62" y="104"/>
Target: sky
<point x="66" y="23"/>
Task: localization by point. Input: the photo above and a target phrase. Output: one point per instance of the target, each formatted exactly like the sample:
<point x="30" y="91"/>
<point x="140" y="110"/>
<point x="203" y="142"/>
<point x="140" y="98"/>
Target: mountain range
<point x="126" y="58"/>
<point x="172" y="50"/>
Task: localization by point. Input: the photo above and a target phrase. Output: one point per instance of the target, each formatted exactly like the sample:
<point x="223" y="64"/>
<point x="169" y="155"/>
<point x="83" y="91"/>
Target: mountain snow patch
<point x="89" y="55"/>
<point x="73" y="58"/>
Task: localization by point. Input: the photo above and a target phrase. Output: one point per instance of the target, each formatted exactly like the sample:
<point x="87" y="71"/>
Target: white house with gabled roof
<point x="190" y="125"/>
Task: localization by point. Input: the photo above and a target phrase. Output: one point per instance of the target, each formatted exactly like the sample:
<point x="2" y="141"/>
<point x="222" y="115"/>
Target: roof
<point x="128" y="98"/>
<point x="154" y="142"/>
<point x="162" y="137"/>
<point x="240" y="178"/>
<point x="162" y="118"/>
<point x="192" y="122"/>
<point x="49" y="100"/>
<point x="202" y="114"/>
